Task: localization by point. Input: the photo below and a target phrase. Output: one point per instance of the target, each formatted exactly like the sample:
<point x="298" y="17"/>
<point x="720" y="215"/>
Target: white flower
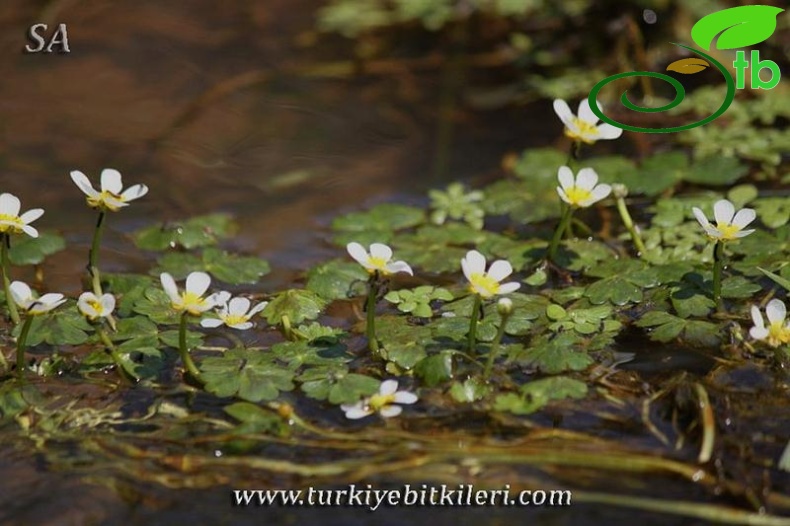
<point x="93" y="307"/>
<point x="23" y="297"/>
<point x="192" y="299"/>
<point x="382" y="403"/>
<point x="112" y="197"/>
<point x="584" y="127"/>
<point x="584" y="190"/>
<point x="378" y="260"/>
<point x="487" y="284"/>
<point x="777" y="332"/>
<point x="13" y="223"/>
<point x="729" y="225"/>
<point x="235" y="314"/>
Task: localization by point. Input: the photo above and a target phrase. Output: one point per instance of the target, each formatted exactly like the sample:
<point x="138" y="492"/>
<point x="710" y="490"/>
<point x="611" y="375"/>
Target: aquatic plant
<point x="32" y="306"/>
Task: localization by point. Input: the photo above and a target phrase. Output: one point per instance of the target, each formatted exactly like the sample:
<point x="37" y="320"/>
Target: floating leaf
<point x="739" y="26"/>
<point x="337" y="280"/>
<point x="436" y="369"/>
<point x="248" y="374"/>
<point x="32" y="251"/>
<point x="686" y="66"/>
<point x="337" y="385"/>
<point x="196" y="232"/>
<point x="63" y="326"/>
<point x="297" y="305"/>
<point x="377" y="225"/>
<point x="778" y="279"/>
<point x="535" y="395"/>
<point x="470" y="390"/>
<point x="229" y="268"/>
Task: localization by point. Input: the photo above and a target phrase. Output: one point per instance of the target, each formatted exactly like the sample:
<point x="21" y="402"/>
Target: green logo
<point x="736" y="27"/>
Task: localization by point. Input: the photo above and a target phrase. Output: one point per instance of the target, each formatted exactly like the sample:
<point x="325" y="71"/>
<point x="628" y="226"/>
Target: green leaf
<point x="248" y="374"/>
<point x="665" y="327"/>
<point x="337" y="280"/>
<point x="417" y="301"/>
<point x="32" y="251"/>
<point x="140" y="361"/>
<point x="156" y="305"/>
<point x="63" y="326"/>
<point x="716" y="170"/>
<point x="779" y="280"/>
<point x="229" y="268"/>
<point x="337" y="385"/>
<point x="298" y="354"/>
<point x="536" y="394"/>
<point x="377" y="225"/>
<point x="739" y="27"/>
<point x="255" y="419"/>
<point x="739" y="287"/>
<point x="744" y="194"/>
<point x="196" y="232"/>
<point x="470" y="390"/>
<point x="297" y="305"/>
<point x="436" y="369"/>
<point x="554" y="356"/>
<point x="455" y="203"/>
<point x="128" y="289"/>
<point x="773" y="212"/>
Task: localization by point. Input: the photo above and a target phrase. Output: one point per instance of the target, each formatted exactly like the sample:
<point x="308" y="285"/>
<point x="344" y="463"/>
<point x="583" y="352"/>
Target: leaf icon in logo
<point x="688" y="65"/>
<point x="739" y="26"/>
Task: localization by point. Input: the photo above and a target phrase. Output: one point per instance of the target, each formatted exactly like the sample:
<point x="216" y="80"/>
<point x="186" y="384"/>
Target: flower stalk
<point x="370" y="311"/>
<point x="5" y="245"/>
<point x="565" y="221"/>
<point x="505" y="309"/>
<point x="718" y="266"/>
<point x="473" y="323"/>
<point x="20" y="346"/>
<point x="113" y="352"/>
<point x="189" y="364"/>
<point x="93" y="256"/>
<point x="620" y="193"/>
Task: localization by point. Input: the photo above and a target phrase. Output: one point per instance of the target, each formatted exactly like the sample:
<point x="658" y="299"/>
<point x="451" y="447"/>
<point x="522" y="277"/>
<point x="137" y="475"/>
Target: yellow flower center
<point x="103" y="200"/>
<point x="728" y="231"/>
<point x="378" y="263"/>
<point x="192" y="303"/>
<point x="96" y="306"/>
<point x="15" y="227"/>
<point x="777" y="334"/>
<point x="379" y="401"/>
<point x="234" y="319"/>
<point x="577" y="196"/>
<point x="587" y="131"/>
<point x="484" y="285"/>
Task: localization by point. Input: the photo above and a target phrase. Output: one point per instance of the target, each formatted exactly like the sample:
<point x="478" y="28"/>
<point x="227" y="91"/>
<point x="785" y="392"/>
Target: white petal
<point x="31" y="215"/>
<point x="775" y="311"/>
<point x="390" y="411"/>
<point x="563" y="111"/>
<point x="598" y="193"/>
<point x="380" y="250"/>
<point x="759" y="333"/>
<point x="565" y="176"/>
<point x="744" y="217"/>
<point x="198" y="283"/>
<point x="473" y="263"/>
<point x="356" y="411"/>
<point x="405" y="397"/>
<point x="507" y="288"/>
<point x="607" y="131"/>
<point x="86" y="307"/>
<point x="399" y="266"/>
<point x="586" y="179"/>
<point x="500" y="269"/>
<point x="29" y="230"/>
<point x="243" y="326"/>
<point x="211" y="323"/>
<point x="563" y="195"/>
<point x="219" y="298"/>
<point x="358" y="252"/>
<point x="701" y="219"/>
<point x="9" y="205"/>
<point x="723" y="211"/>
<point x="83" y="183"/>
<point x="111" y="181"/>
<point x="134" y="192"/>
<point x="239" y="306"/>
<point x="107" y="303"/>
<point x="388" y="387"/>
<point x="744" y="233"/>
<point x="169" y="284"/>
<point x="585" y="113"/>
<point x="21" y="293"/>
<point x="757" y="318"/>
<point x="258" y="308"/>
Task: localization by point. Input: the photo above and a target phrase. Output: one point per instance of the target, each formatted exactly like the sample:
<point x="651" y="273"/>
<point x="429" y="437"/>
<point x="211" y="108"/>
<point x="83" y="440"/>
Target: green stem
<point x="20" y="347"/>
<point x="288" y="331"/>
<point x="473" y="323"/>
<point x="93" y="256"/>
<point x="494" y="352"/>
<point x="718" y="265"/>
<point x="5" y="242"/>
<point x="370" y="330"/>
<point x="629" y="225"/>
<point x="127" y="375"/>
<point x="565" y="220"/>
<point x="184" y="352"/>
